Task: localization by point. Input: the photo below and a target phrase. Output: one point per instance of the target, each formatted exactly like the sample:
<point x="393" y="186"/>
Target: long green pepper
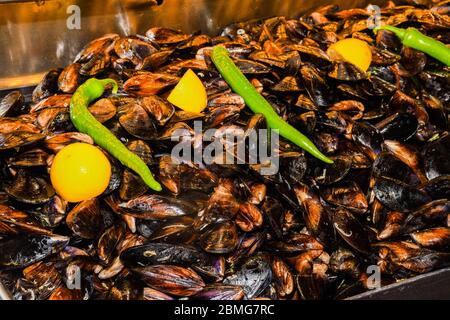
<point x="86" y="123"/>
<point x="415" y="39"/>
<point x="258" y="104"/>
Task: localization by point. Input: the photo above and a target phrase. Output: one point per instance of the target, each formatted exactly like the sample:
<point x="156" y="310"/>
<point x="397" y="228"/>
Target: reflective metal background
<point x="34" y="36"/>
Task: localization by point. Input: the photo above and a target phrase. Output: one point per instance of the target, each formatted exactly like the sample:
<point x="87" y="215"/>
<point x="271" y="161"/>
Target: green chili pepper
<point x="85" y="122"/>
<point x="256" y="102"/>
<point x="415" y="39"/>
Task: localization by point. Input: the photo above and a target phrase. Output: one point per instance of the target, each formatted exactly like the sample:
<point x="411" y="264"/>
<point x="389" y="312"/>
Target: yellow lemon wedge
<point x="352" y="50"/>
<point x="80" y="172"/>
<point x="189" y="94"/>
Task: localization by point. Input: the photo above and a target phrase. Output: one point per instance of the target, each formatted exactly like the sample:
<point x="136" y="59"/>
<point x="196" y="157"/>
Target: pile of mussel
<point x="224" y="231"/>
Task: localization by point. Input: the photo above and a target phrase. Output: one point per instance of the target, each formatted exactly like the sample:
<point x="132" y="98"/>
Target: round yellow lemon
<point x="189" y="94"/>
<point x="80" y="172"/>
<point x="352" y="50"/>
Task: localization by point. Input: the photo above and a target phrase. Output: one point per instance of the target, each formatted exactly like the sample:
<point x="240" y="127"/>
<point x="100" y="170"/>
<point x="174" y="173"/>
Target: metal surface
<point x="432" y="286"/>
<point x="34" y="36"/>
<point x="4" y="294"/>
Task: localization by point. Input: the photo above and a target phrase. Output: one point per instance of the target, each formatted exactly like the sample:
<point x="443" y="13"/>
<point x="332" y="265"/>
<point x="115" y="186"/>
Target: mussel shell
<point x="70" y="78"/>
<point x="282" y="278"/>
<point x="346" y="71"/>
<point x="315" y="214"/>
<point x="316" y="86"/>
<point x="85" y="219"/>
<point x="179" y="230"/>
<point x="434" y="213"/>
<point x="160" y="109"/>
<point x="149" y="83"/>
<point x="436" y="160"/>
<point x="437" y="84"/>
<point x="53" y="212"/>
<point x="348" y="195"/>
<point x="137" y="122"/>
<point x="399" y="196"/>
<point x="152" y="294"/>
<point x="157" y="207"/>
<point x="438" y="188"/>
<point x="24" y="250"/>
<point x="312" y="287"/>
<point x="12" y="105"/>
<point x="30" y="189"/>
<point x="368" y="138"/>
<point x="109" y="240"/>
<point x="220" y="238"/>
<point x="173" y="280"/>
<point x="48" y="85"/>
<point x="351" y="230"/>
<point x="329" y="174"/>
<point x="400" y="126"/>
<point x="437" y="238"/>
<point x="389" y="166"/>
<point x="19" y="139"/>
<point x="254" y="277"/>
<point x="220" y="292"/>
<point x="133" y="49"/>
<point x="294" y="244"/>
<point x="344" y="261"/>
<point x="175" y="254"/>
<point x="103" y="110"/>
<point x="31" y="158"/>
<point x="166" y="36"/>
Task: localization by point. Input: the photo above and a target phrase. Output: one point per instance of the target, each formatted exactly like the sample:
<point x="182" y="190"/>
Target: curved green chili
<point x="258" y="104"/>
<point x="86" y="123"/>
<point x="415" y="39"/>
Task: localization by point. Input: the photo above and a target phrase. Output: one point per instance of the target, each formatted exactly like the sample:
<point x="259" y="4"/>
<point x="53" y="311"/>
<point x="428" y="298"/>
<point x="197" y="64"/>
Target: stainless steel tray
<point x="34" y="35"/>
<point x="34" y="38"/>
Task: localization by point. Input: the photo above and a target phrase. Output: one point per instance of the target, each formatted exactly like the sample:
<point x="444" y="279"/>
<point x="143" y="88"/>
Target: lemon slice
<point x="189" y="94"/>
<point x="352" y="50"/>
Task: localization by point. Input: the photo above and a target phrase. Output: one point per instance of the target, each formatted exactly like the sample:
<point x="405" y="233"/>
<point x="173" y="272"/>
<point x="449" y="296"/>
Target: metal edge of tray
<point x="4" y="293"/>
<point x="37" y="35"/>
<point x="434" y="285"/>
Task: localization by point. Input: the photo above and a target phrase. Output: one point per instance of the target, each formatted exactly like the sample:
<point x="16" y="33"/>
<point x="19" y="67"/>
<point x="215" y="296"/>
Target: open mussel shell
<point x="254" y="277"/>
<point x="351" y="230"/>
